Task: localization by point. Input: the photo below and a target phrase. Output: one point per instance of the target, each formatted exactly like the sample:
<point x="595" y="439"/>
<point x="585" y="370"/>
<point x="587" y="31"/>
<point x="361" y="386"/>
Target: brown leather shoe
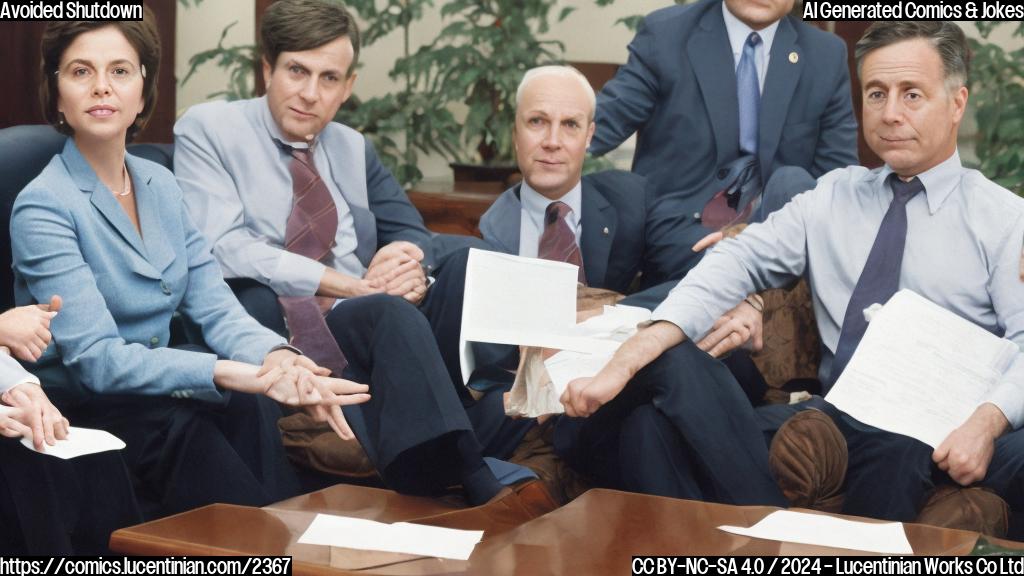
<point x="520" y="504"/>
<point x="974" y="509"/>
<point x="808" y="460"/>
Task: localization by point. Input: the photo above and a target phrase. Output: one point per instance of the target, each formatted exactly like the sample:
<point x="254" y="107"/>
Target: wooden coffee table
<point x="598" y="533"/>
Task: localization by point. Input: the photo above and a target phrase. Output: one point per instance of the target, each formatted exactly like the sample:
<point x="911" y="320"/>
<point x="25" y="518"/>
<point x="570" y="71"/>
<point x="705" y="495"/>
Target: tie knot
<point x="753" y="40"/>
<point x="556" y="211"/>
<point x="904" y="191"/>
<point x="303" y="155"/>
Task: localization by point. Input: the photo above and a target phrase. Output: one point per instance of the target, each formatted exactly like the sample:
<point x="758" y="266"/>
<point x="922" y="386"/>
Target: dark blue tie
<point x="748" y="92"/>
<point x="881" y="275"/>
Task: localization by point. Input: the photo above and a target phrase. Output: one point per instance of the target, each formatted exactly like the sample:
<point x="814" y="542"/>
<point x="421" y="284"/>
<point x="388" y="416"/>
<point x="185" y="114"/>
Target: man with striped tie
<point x="321" y="243"/>
<point x="603" y="223"/>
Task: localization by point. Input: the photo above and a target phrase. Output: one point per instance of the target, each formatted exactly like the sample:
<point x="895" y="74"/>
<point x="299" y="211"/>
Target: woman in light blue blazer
<point x="108" y="231"/>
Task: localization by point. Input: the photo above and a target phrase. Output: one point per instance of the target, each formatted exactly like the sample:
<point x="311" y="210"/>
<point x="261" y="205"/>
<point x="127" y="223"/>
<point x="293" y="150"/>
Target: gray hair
<point x="564" y="72"/>
<point x="947" y="38"/>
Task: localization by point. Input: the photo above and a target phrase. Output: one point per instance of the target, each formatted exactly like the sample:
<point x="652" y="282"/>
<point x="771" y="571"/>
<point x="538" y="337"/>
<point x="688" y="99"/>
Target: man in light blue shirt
<point x="299" y="207"/>
<point x="963" y="239"/>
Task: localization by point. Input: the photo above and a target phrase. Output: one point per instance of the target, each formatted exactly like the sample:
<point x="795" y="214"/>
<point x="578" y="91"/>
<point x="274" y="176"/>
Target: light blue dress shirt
<point x="963" y="252"/>
<point x="234" y="194"/>
<point x="534" y="205"/>
<point x="738" y="34"/>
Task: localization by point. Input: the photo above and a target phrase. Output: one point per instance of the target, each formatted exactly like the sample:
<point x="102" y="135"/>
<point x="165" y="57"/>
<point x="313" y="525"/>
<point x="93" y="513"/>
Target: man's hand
<point x="39" y="418"/>
<point x="735" y="328"/>
<point x="713" y="238"/>
<point x="396" y="269"/>
<point x="25" y="330"/>
<point x="966" y="453"/>
<point x="584" y="396"/>
<point x="334" y="284"/>
<point x="708" y="241"/>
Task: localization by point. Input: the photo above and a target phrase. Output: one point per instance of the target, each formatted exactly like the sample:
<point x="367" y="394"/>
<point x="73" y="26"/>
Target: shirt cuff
<point x="296" y="275"/>
<point x="1007" y="397"/>
<point x="685" y="313"/>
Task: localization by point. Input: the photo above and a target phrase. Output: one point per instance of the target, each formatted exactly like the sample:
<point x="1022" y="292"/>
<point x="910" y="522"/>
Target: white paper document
<point x="820" y="530"/>
<point x="520" y="301"/>
<point x="400" y="537"/>
<point x="80" y="442"/>
<point x="540" y="383"/>
<point x="920" y="370"/>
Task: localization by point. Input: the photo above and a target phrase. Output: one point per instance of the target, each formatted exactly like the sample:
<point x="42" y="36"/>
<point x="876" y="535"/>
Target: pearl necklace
<point x="127" y="182"/>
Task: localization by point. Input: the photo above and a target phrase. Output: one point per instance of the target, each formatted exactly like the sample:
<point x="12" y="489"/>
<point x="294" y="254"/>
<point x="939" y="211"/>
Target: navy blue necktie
<point x="748" y="93"/>
<point x="881" y="275"/>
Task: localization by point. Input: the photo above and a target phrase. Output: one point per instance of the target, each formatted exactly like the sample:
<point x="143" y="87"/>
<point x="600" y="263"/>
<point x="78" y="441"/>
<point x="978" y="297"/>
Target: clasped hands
<point x="396" y="269"/>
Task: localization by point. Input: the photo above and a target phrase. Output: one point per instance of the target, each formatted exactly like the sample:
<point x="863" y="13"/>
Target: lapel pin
<point x="605" y="231"/>
<point x="794" y="57"/>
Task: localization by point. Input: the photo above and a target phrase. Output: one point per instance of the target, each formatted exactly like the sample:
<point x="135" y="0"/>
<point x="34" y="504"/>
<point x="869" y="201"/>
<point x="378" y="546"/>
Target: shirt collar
<point x="275" y="133"/>
<point x="738" y="33"/>
<point x="535" y="204"/>
<point x="939" y="181"/>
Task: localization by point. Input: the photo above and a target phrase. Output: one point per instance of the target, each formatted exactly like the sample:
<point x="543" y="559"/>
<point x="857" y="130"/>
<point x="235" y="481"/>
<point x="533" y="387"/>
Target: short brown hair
<point x="947" y="38"/>
<point x="298" y="25"/>
<point x="57" y="36"/>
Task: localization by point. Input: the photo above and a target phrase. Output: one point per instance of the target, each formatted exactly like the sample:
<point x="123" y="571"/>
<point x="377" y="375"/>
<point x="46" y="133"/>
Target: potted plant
<point x="997" y="77"/>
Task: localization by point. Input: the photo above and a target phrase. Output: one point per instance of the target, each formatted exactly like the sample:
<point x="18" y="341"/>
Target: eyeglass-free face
<point x="100" y="85"/>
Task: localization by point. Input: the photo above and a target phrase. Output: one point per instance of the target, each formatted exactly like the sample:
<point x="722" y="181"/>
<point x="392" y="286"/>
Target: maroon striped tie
<point x="310" y="232"/>
<point x="558" y="242"/>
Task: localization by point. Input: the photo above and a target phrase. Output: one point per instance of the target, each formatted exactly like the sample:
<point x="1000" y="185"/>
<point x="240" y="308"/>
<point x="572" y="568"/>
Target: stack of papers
<point x="532" y="302"/>
<point x="920" y="370"/>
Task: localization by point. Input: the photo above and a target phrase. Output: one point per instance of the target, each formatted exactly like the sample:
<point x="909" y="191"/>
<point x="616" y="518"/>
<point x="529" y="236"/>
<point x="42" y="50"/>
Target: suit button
<point x="165" y="287"/>
<point x="722" y="173"/>
<point x="154" y="341"/>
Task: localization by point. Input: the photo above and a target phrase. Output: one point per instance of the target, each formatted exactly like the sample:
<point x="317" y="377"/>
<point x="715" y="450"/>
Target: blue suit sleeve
<point x="837" y="140"/>
<point x="208" y="301"/>
<point x="397" y="219"/>
<point x="48" y="257"/>
<point x="627" y="100"/>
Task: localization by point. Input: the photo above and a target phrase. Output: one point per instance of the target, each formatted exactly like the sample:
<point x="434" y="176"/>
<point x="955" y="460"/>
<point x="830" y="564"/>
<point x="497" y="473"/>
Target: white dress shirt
<point x="738" y="34"/>
<point x="963" y="250"/>
<point x="12" y="374"/>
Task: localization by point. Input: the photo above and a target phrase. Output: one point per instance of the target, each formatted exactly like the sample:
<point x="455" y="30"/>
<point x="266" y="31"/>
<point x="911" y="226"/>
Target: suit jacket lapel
<point x="711" y="57"/>
<point x="595" y="244"/>
<point x="158" y="250"/>
<point x="507" y="220"/>
<point x="100" y="197"/>
<point x="780" y="83"/>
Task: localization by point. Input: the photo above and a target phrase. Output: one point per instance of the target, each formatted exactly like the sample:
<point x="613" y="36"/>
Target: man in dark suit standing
<point x="715" y="85"/>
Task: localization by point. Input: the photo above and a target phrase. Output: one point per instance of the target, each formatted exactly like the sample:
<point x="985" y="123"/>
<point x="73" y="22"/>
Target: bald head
<point x="567" y="72"/>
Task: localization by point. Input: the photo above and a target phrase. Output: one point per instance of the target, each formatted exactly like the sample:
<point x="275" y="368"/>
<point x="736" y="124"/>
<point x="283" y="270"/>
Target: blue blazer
<point x="678" y="91"/>
<point x="71" y="237"/>
<point x="621" y="235"/>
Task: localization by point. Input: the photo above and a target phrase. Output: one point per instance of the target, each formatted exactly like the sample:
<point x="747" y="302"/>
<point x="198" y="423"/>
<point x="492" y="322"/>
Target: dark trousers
<point x="51" y="507"/>
<point x="418" y="419"/>
<point x="890" y="476"/>
<point x="185" y="454"/>
<point x="682" y="427"/>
